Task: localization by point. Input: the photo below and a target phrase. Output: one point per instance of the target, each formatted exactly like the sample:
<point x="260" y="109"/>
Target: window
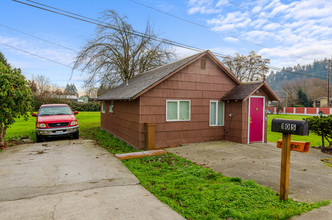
<point x="217" y="112"/>
<point x="110" y="107"/>
<point x="103" y="107"/>
<point x="177" y="110"/>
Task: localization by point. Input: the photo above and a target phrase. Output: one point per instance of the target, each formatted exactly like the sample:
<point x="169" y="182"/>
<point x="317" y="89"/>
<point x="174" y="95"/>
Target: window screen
<point x="177" y="110"/>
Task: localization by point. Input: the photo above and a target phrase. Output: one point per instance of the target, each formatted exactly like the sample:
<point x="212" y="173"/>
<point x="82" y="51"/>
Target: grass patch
<point x="22" y="128"/>
<point x="87" y="121"/>
<point x="110" y="143"/>
<point x="327" y="161"/>
<point x="314" y="139"/>
<point x="193" y="191"/>
<point x="199" y="193"/>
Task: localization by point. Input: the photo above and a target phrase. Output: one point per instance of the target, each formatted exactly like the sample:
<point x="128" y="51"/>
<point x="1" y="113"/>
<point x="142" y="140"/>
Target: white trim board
<point x="248" y="140"/>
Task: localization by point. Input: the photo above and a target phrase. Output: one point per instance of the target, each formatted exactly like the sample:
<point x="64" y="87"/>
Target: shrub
<point x="322" y="126"/>
<point x="85" y="107"/>
<point x="92" y="106"/>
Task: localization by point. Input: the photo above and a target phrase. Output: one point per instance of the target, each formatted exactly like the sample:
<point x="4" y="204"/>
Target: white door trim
<point x="263" y="117"/>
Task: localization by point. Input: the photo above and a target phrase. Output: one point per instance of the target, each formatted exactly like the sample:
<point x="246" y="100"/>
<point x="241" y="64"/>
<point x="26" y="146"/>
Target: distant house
<point x="83" y="99"/>
<point x="321" y="102"/>
<point x="72" y="98"/>
<point x="195" y="99"/>
<point x="273" y="104"/>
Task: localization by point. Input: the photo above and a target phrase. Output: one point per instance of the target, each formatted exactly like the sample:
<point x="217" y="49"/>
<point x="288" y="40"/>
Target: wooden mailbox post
<point x="287" y="128"/>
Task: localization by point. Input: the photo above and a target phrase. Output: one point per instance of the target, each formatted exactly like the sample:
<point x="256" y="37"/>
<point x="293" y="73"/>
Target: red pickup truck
<point x="55" y="120"/>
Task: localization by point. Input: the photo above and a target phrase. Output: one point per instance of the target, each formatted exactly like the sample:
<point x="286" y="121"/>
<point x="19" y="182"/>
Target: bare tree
<point x="43" y="84"/>
<point x="91" y="92"/>
<point x="313" y="88"/>
<point x="247" y="68"/>
<point x="289" y="90"/>
<point x="117" y="52"/>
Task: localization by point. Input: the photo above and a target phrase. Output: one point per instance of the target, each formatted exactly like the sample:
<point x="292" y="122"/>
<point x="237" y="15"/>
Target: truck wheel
<point x="76" y="135"/>
<point x="39" y="139"/>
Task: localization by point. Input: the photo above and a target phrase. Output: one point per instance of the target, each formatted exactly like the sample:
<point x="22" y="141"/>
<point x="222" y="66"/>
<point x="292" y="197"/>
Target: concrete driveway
<point x="72" y="179"/>
<point x="310" y="179"/>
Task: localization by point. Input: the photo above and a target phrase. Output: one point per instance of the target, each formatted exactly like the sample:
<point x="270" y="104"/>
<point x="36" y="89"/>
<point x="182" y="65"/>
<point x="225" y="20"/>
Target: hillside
<point x="318" y="69"/>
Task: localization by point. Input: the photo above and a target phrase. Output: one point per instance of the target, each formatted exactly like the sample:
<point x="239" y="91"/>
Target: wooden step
<point x="140" y="154"/>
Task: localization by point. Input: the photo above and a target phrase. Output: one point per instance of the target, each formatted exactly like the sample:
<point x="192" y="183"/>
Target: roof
<point x="320" y="98"/>
<point x="143" y="82"/>
<point x="243" y="91"/>
<point x="49" y="105"/>
<point x="62" y="96"/>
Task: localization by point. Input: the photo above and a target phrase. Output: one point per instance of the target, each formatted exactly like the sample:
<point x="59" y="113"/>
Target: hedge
<point x="85" y="107"/>
<point x="76" y="106"/>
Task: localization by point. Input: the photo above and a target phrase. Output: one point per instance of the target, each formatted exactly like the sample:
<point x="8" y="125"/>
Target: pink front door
<point x="256" y="120"/>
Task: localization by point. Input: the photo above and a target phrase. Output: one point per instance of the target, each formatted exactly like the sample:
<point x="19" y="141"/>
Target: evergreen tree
<point x="71" y="89"/>
<point x="3" y="60"/>
<point x="302" y="98"/>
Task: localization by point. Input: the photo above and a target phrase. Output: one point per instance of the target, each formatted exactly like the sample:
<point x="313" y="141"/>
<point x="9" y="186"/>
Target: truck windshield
<point x="55" y="110"/>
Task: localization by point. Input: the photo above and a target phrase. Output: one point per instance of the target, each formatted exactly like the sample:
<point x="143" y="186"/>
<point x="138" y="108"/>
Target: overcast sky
<point x="287" y="32"/>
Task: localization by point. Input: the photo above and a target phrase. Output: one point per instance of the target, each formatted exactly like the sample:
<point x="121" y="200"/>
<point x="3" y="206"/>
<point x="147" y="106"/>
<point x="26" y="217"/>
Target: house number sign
<point x="288" y="127"/>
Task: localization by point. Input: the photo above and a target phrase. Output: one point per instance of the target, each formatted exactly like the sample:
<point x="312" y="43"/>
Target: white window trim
<point x="178" y="110"/>
<point x="112" y="104"/>
<point x="223" y="106"/>
<point x="103" y="107"/>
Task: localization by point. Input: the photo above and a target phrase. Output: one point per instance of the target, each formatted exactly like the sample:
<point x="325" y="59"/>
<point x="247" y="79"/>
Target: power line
<point x="136" y="33"/>
<point x="206" y="27"/>
<point x="195" y="23"/>
<point x="260" y="15"/>
<point x="32" y="54"/>
<point x="248" y="9"/>
<point x="41" y="57"/>
<point x="166" y="41"/>
<point x="33" y="36"/>
<point x="68" y="12"/>
<point x="294" y="72"/>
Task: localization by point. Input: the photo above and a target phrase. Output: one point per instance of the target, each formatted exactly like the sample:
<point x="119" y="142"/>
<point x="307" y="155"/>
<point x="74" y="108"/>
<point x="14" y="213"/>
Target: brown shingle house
<point x="191" y="100"/>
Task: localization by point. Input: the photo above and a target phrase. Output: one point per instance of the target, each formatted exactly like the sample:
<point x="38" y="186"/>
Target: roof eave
<point x="273" y="94"/>
<point x="257" y="88"/>
<point x="115" y="99"/>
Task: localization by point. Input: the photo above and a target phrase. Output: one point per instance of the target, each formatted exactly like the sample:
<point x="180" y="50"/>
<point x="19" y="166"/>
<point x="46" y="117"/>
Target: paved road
<point x="72" y="179"/>
<point x="310" y="179"/>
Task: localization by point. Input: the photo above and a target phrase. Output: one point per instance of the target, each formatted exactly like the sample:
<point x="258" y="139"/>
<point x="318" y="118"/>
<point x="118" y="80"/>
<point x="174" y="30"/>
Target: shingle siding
<point x="193" y="84"/>
<point x="124" y="121"/>
<point x="139" y="83"/>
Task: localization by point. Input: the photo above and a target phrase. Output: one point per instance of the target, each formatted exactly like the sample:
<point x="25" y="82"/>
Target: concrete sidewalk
<point x="72" y="179"/>
<point x="310" y="179"/>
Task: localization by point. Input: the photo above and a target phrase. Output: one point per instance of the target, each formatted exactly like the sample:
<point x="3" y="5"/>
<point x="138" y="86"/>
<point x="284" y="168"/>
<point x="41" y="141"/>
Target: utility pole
<point x="328" y="84"/>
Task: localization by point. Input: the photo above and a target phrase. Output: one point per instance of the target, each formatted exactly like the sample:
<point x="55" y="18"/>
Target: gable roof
<point x="245" y="90"/>
<point x="143" y="82"/>
<point x="320" y="98"/>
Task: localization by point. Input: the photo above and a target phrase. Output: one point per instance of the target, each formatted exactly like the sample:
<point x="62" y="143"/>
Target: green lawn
<point x="200" y="193"/>
<point x="314" y="139"/>
<point x="194" y="192"/>
<point x="21" y="127"/>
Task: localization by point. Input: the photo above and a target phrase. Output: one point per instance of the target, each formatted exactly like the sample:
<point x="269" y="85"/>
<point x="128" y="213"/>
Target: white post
<point x="330" y="111"/>
<point x="294" y="110"/>
<point x="284" y="110"/>
<point x="305" y="111"/>
<point x="317" y="111"/>
<point x="275" y="110"/>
